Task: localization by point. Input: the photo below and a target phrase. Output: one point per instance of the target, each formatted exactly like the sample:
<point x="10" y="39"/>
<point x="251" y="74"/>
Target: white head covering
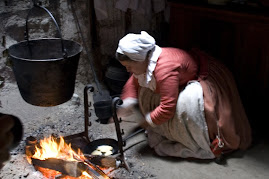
<point x="136" y="46"/>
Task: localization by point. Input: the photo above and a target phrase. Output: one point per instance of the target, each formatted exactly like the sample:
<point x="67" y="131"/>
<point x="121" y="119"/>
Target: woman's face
<point x="135" y="67"/>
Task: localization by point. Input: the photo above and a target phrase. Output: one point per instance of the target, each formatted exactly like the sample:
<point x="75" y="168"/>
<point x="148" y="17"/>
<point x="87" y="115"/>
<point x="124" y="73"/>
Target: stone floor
<point x="68" y="118"/>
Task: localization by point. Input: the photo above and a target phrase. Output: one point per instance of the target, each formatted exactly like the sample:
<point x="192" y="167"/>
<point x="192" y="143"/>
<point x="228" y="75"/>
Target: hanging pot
<point x="45" y="69"/>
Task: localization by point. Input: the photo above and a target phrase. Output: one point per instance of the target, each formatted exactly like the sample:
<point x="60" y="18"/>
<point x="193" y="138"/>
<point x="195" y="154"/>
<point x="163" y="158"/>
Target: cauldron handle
<point x="27" y="32"/>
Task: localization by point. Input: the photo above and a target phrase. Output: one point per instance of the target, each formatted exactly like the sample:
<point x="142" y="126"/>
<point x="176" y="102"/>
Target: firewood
<point x="71" y="168"/>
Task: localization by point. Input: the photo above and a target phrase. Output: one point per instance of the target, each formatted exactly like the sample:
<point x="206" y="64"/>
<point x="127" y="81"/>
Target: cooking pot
<point x="102" y="106"/>
<point x="45" y="69"/>
<point x="115" y="78"/>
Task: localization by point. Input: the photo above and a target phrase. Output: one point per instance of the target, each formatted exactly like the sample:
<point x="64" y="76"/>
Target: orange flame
<point x="50" y="148"/>
<point x="48" y="173"/>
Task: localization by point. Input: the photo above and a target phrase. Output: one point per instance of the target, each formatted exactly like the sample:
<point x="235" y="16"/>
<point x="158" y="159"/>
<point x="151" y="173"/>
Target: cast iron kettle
<point x="45" y="69"/>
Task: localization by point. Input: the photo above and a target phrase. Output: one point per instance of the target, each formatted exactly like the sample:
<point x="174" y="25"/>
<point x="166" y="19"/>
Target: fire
<point x="48" y="173"/>
<point x="49" y="148"/>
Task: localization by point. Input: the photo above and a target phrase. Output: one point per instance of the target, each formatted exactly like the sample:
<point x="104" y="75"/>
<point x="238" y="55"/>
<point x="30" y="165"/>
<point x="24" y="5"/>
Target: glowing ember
<point x="48" y="173"/>
<point x="86" y="174"/>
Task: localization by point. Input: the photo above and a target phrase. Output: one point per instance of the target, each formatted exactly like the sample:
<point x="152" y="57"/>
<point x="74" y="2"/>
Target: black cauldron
<point x="45" y="69"/>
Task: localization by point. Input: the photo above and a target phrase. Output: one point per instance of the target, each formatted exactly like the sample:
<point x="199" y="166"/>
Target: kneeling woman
<point x="189" y="100"/>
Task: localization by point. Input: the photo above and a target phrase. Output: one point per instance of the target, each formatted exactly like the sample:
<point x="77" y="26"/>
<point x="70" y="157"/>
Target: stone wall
<point x="118" y="23"/>
<point x="101" y="47"/>
<point x="13" y="17"/>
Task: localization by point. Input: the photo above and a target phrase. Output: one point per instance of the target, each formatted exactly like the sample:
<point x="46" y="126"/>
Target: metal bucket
<point x="45" y="69"/>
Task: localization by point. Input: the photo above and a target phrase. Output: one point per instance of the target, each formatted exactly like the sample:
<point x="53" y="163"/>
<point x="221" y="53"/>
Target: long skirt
<point x="224" y="111"/>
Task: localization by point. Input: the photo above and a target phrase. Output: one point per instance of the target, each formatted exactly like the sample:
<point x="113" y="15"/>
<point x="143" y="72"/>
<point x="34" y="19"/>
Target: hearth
<point x="64" y="157"/>
<point x="57" y="159"/>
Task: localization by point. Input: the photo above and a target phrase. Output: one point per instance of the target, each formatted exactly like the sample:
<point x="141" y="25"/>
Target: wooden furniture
<point x="239" y="38"/>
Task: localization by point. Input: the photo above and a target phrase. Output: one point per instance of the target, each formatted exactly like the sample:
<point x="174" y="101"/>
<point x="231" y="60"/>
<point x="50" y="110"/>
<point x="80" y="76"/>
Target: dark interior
<point x="239" y="37"/>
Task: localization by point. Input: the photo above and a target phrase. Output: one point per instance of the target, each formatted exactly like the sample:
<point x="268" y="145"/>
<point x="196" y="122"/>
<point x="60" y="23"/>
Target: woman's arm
<point x="130" y="92"/>
<point x="173" y="71"/>
<point x="169" y="91"/>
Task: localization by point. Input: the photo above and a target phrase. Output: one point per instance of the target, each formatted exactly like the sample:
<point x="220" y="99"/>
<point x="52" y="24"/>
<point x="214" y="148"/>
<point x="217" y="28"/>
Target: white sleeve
<point x="129" y="102"/>
<point x="148" y="119"/>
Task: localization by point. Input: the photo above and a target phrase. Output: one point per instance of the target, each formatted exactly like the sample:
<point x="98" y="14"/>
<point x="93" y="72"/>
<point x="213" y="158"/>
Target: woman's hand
<point x="6" y="137"/>
<point x="122" y="112"/>
<point x="143" y="124"/>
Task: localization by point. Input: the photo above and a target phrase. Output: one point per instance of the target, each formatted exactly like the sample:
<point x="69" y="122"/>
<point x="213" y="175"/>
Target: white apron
<point x="186" y="134"/>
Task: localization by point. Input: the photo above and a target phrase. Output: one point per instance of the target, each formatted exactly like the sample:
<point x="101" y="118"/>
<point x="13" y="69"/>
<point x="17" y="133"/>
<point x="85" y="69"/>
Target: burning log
<point x="103" y="161"/>
<point x="70" y="168"/>
<point x="57" y="155"/>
